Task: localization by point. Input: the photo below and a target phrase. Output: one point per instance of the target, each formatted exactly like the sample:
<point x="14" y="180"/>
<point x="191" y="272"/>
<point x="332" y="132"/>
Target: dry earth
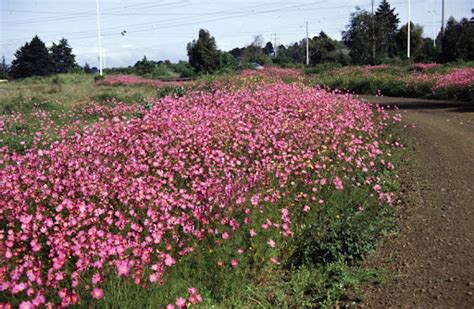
<point x="430" y="262"/>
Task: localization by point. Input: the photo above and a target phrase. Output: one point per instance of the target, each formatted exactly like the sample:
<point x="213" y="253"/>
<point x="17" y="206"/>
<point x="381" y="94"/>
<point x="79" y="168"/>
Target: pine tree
<point x="386" y="29"/>
<point x="3" y="69"/>
<point x="32" y="59"/>
<point x="63" y="58"/>
<point x="87" y="68"/>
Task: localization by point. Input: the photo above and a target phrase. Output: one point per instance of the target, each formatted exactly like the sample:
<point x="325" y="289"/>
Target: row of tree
<point x="369" y="39"/>
<point x="35" y="59"/>
<point x="377" y="38"/>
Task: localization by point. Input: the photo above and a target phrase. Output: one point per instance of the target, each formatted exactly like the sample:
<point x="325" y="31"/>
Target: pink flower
<point x="19" y="288"/>
<point x="192" y="290"/>
<point x="96" y="278"/>
<point x="306" y="208"/>
<point x="274" y="261"/>
<point x="225" y="235"/>
<point x="337" y="183"/>
<point x="97" y="293"/>
<point x="254" y="200"/>
<point x="181" y="302"/>
<point x="169" y="261"/>
<point x="234" y="262"/>
<point x="195" y="299"/>
<point x="38" y="300"/>
<point x="26" y="305"/>
<point x="252" y="233"/>
<point x="271" y="243"/>
<point x="170" y="306"/>
<point x="123" y="268"/>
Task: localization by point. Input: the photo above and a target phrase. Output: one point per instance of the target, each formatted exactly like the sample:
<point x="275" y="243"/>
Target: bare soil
<point x="430" y="262"/>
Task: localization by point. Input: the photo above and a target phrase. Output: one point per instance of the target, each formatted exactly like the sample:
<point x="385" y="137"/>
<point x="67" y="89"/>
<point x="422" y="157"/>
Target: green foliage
<point x="268" y="49"/>
<point x="184" y="69"/>
<point x="144" y="66"/>
<point x="255" y="53"/>
<point x="386" y="29"/>
<point x="359" y="37"/>
<point x="416" y="40"/>
<point x="63" y="58"/>
<point x="3" y="69"/>
<point x="203" y="54"/>
<point x="324" y="49"/>
<point x="171" y="91"/>
<point x="33" y="59"/>
<point x="87" y="69"/>
<point x="321" y="68"/>
<point x="457" y="41"/>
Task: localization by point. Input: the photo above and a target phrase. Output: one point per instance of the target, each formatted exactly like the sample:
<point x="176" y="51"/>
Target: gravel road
<point x="430" y="262"/>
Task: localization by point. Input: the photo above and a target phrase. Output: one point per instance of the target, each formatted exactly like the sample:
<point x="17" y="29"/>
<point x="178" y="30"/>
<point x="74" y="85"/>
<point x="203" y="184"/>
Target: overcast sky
<point x="161" y="29"/>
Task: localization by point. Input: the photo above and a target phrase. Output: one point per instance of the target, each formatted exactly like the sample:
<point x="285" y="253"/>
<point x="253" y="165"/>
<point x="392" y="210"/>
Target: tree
<point x="282" y="57"/>
<point x="254" y="53"/>
<point x="359" y="37"/>
<point x="144" y="66"/>
<point x="268" y="49"/>
<point x="322" y="49"/>
<point x="296" y="52"/>
<point x="427" y="52"/>
<point x="87" y="68"/>
<point x="237" y="52"/>
<point x="63" y="58"/>
<point x="416" y="40"/>
<point x="457" y="41"/>
<point x="3" y="69"/>
<point x="228" y="61"/>
<point x="386" y="21"/>
<point x="203" y="54"/>
<point x="33" y="59"/>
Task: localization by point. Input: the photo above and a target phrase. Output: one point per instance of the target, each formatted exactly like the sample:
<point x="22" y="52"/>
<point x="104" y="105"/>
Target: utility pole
<point x="275" y="48"/>
<point x="442" y="18"/>
<point x="434" y="27"/>
<point x="100" y="40"/>
<point x="307" y="45"/>
<point x="409" y="29"/>
<point x="373" y="33"/>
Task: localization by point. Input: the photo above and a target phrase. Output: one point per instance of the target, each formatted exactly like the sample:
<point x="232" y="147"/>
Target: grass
<point x="63" y="97"/>
<point x="63" y="92"/>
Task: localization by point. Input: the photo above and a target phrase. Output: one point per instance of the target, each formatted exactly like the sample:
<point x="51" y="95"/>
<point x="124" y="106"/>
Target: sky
<point x="161" y="29"/>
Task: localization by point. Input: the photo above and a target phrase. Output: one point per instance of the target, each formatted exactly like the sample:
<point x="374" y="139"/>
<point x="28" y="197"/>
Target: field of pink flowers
<point x="240" y="171"/>
<point x="419" y="80"/>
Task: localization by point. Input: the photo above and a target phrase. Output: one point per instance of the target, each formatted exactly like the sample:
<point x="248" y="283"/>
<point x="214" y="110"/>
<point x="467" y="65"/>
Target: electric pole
<point x="307" y="45"/>
<point x="409" y="29"/>
<point x="442" y="18"/>
<point x="275" y="48"/>
<point x="434" y="27"/>
<point x="373" y="33"/>
<point x="100" y="40"/>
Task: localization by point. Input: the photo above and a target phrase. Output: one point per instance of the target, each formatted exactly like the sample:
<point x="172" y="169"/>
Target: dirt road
<point x="430" y="262"/>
